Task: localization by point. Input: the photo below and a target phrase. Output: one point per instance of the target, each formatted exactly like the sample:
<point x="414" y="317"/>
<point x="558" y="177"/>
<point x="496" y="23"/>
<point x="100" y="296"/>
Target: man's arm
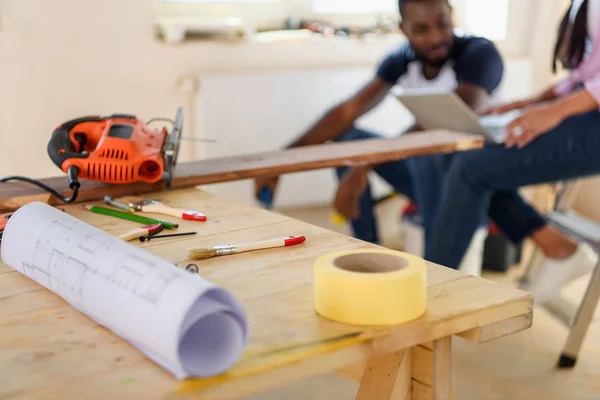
<point x="332" y="125"/>
<point x="340" y="118"/>
<point x="479" y="71"/>
<point x="474" y="95"/>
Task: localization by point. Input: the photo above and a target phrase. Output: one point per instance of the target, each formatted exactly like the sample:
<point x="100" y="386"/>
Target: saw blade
<point x="172" y="145"/>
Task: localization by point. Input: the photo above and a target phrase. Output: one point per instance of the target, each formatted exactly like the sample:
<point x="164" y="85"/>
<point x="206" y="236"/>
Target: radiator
<point x="254" y="112"/>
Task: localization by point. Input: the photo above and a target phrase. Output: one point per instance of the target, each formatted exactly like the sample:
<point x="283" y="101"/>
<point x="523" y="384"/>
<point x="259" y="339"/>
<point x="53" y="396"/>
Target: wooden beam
<point x="442" y="369"/>
<point x="499" y="329"/>
<point x="353" y="371"/>
<point x="424" y="392"/>
<point x="431" y="371"/>
<point x="423" y="362"/>
<point x="387" y="377"/>
<point x="248" y="166"/>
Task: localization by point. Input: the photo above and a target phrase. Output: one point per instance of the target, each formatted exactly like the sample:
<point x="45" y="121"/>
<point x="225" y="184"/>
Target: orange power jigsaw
<point x="117" y="149"/>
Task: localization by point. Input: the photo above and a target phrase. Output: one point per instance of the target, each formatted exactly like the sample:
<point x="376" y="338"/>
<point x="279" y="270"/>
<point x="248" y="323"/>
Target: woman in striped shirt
<point x="557" y="137"/>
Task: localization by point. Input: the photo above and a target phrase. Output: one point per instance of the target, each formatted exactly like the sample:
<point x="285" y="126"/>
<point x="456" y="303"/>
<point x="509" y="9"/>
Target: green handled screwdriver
<point x="131" y="217"/>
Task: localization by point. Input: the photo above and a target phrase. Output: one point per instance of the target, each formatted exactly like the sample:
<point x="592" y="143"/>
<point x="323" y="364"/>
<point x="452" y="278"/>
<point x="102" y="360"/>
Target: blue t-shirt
<point x="472" y="59"/>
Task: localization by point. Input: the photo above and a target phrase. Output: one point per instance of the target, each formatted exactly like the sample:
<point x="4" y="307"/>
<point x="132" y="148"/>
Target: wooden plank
<point x="189" y="174"/>
<point x="402" y="389"/>
<point x="353" y="371"/>
<point x="442" y="385"/>
<point x="424" y="392"/>
<point x="266" y="332"/>
<point x="380" y="376"/>
<point x="431" y="371"/>
<point x="421" y="391"/>
<point x="256" y="379"/>
<point x="498" y="329"/>
<point x="43" y="338"/>
<point x="466" y="289"/>
<point x="423" y="365"/>
<point x="428" y="345"/>
<point x="269" y="367"/>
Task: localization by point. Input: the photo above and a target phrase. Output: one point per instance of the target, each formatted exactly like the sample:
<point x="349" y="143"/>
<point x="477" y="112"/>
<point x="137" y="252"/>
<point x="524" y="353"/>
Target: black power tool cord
<point x="72" y="174"/>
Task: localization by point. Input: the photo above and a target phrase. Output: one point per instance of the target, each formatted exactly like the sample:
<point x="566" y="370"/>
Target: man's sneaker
<point x="554" y="274"/>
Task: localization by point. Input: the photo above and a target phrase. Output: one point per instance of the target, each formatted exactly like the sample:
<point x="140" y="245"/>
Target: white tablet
<point x="433" y="109"/>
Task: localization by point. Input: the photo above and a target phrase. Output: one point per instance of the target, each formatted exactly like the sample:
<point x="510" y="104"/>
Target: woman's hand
<point x="349" y="192"/>
<point x="547" y="95"/>
<point x="534" y="122"/>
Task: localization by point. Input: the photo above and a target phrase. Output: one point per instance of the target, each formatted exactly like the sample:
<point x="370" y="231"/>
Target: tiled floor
<point x="520" y="366"/>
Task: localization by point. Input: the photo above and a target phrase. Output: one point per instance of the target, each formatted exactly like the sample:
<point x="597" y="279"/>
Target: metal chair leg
<point x="582" y="321"/>
<point x="568" y="194"/>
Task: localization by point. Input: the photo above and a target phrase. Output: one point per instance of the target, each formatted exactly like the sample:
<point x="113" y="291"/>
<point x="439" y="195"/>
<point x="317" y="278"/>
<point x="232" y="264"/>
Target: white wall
<point x="60" y="59"/>
<point x="253" y="112"/>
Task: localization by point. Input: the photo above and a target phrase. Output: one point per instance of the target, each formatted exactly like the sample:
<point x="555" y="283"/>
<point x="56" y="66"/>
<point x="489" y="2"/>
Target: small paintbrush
<point x="144" y="230"/>
<point x="198" y="254"/>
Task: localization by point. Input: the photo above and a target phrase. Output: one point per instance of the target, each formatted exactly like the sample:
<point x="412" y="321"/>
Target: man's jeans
<point x="571" y="150"/>
<point x="421" y="179"/>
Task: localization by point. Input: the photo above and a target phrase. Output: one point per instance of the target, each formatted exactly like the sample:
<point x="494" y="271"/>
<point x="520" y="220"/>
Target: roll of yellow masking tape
<point x="370" y="287"/>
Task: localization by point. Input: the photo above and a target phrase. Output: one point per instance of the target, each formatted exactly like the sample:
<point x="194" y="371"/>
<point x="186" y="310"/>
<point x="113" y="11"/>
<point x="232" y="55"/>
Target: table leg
<point x="420" y="373"/>
<point x="387" y="377"/>
<point x="431" y="366"/>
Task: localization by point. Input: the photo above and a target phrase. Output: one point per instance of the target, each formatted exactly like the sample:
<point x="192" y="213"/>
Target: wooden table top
<point x="50" y="351"/>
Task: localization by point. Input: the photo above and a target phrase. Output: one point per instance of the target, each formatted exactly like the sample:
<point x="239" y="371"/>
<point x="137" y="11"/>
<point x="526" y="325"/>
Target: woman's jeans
<point x="571" y="150"/>
<point x="421" y="180"/>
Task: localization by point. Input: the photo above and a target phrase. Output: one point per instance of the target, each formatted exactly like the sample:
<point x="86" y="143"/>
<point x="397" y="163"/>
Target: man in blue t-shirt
<point x="435" y="56"/>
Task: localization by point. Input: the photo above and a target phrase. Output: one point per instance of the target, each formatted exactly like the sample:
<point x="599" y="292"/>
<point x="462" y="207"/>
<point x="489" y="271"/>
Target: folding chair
<point x="584" y="231"/>
<point x="565" y="197"/>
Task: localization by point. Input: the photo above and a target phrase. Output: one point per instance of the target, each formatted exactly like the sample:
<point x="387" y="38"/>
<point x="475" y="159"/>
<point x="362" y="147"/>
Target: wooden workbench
<point x="50" y="351"/>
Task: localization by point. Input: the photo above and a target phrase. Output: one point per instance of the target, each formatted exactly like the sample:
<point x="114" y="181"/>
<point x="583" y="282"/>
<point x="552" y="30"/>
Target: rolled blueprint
<point x="184" y="323"/>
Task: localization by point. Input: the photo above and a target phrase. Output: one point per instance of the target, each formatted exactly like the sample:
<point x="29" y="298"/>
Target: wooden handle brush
<point x="198" y="254"/>
<point x="143" y="231"/>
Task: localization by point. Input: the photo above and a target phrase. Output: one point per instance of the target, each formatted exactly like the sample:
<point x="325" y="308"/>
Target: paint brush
<point x="142" y="231"/>
<point x="198" y="254"/>
<point x="156" y="207"/>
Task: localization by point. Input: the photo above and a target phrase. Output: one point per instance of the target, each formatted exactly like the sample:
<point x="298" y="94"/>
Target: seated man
<point x="435" y="56"/>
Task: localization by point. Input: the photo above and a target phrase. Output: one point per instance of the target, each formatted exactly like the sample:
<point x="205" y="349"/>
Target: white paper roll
<point x="186" y="324"/>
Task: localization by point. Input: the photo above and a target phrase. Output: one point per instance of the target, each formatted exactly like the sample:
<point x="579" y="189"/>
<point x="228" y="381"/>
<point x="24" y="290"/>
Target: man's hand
<point x="349" y="192"/>
<point x="534" y="122"/>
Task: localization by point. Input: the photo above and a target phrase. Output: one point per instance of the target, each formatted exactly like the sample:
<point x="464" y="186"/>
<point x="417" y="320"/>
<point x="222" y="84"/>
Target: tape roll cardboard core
<point x="370" y="263"/>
